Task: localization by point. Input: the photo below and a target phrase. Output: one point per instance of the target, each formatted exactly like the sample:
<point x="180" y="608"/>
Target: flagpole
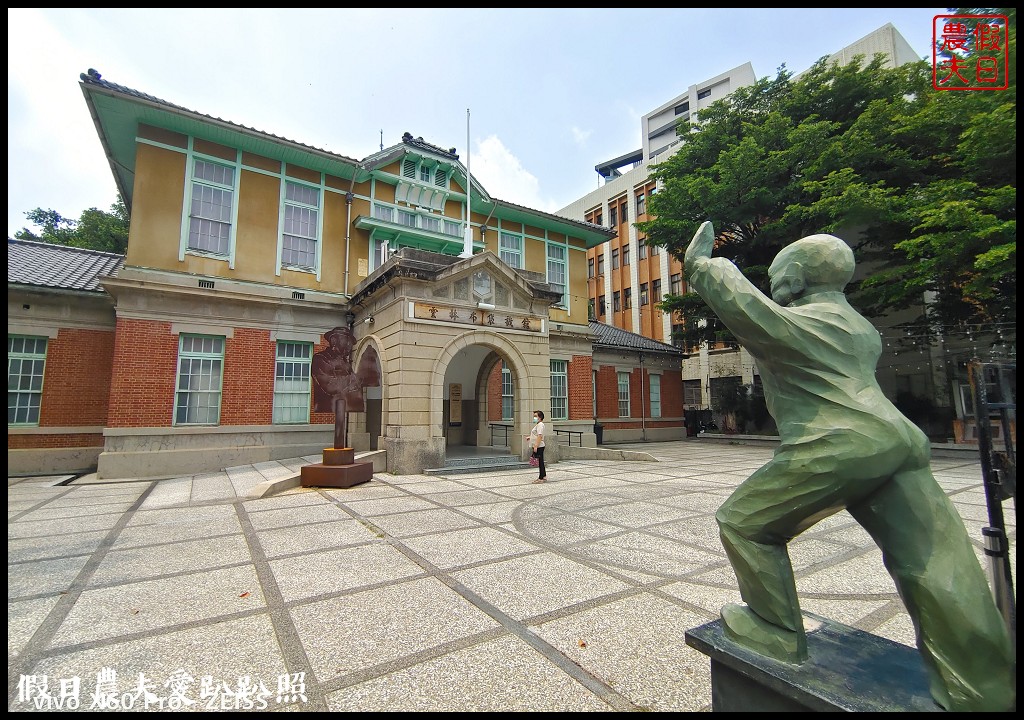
<point x="467" y="242"/>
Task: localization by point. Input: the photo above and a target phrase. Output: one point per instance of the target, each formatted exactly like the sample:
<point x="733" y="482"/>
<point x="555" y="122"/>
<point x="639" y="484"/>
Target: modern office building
<point x="626" y="277"/>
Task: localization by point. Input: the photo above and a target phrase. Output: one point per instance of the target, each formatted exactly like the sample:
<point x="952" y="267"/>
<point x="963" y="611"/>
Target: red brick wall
<point x="607" y="392"/>
<point x="144" y="374"/>
<point x="248" y="389"/>
<point x="25" y="442"/>
<point x="494" y="394"/>
<point x="672" y="394"/>
<point x="76" y="380"/>
<point x="580" y="379"/>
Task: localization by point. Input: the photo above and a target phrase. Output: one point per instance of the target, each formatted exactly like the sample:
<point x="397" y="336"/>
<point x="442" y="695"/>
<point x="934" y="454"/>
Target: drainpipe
<point x="349" y="196"/>
<point x="643" y="409"/>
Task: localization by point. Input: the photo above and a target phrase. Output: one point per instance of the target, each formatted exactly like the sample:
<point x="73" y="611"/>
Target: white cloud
<point x="580" y="136"/>
<point x="504" y="177"/>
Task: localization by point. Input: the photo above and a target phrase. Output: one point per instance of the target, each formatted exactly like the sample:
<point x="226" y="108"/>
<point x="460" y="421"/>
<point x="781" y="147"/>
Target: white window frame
<point x="510" y="249"/>
<point x="558" y="272"/>
<point x="210" y="187"/>
<point x="292" y="364"/>
<point x="210" y="357"/>
<point x="654" y="381"/>
<point x="623" y="392"/>
<point x="508" y="407"/>
<point x="25" y="389"/>
<point x="559" y="389"/>
<point x="313" y="224"/>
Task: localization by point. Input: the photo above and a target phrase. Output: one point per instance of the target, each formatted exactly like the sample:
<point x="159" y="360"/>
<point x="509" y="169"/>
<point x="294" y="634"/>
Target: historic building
<point x="245" y="248"/>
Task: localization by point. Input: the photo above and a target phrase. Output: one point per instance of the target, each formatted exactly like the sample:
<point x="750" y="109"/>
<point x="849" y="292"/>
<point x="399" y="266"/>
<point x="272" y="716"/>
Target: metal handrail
<point x="570" y="433"/>
<point x="505" y="428"/>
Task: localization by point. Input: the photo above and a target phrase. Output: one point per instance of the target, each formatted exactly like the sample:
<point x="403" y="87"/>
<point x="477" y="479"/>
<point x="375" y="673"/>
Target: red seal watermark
<point x="970" y="52"/>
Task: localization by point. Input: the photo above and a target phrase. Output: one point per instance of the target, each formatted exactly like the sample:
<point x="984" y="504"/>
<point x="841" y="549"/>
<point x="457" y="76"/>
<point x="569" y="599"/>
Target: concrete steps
<point x="482" y="463"/>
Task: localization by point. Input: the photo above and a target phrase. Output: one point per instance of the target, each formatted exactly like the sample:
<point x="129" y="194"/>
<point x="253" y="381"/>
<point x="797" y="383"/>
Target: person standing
<point x="537" y="443"/>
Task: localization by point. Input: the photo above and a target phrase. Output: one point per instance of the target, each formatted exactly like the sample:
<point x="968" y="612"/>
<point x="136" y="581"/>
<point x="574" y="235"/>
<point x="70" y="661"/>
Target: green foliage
<point x="94" y="230"/>
<point x="927" y="177"/>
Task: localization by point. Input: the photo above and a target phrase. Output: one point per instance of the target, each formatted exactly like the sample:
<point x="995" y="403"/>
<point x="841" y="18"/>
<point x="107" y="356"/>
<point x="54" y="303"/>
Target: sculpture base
<point x="848" y="670"/>
<point x="338" y="470"/>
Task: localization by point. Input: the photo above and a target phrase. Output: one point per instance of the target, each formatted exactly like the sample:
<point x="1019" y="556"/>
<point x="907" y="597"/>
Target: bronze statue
<point x="844" y="445"/>
<point x="337" y="387"/>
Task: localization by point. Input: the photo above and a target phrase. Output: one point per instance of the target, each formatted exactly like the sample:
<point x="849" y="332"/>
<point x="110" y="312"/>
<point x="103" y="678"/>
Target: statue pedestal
<point x="338" y="470"/>
<point x="848" y="670"/>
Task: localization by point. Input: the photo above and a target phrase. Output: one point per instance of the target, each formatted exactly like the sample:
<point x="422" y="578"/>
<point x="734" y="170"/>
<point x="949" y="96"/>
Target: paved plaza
<point x="473" y="592"/>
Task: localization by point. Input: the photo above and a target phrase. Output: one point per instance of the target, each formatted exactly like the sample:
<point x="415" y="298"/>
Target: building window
<point x="623" y="394"/>
<point x="601" y="306"/>
<point x="641" y="204"/>
<point x="656" y="291"/>
<point x="625" y="255"/>
<point x="590" y="267"/>
<point x="213" y="192"/>
<point x="704" y="94"/>
<point x="682" y="107"/>
<point x="507" y="396"/>
<point x="200" y="373"/>
<point x="591" y="309"/>
<point x="616" y="304"/>
<point x="599" y="220"/>
<point x="600" y="265"/>
<point x="627" y="298"/>
<point x="291" y="382"/>
<point x="643" y="294"/>
<point x="301" y="226"/>
<point x="677" y="284"/>
<point x="691" y="393"/>
<point x="557" y="272"/>
<point x="613" y="217"/>
<point x="624" y="211"/>
<point x="615" y="259"/>
<point x="26" y="361"/>
<point x="642" y="248"/>
<point x="510" y="249"/>
<point x="655" y="250"/>
<point x="559" y="390"/>
<point x="655" y="382"/>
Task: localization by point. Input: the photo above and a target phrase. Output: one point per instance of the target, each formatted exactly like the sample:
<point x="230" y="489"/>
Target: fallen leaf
<point x="583" y="643"/>
<point x="135" y="611"/>
<point x="245" y="594"/>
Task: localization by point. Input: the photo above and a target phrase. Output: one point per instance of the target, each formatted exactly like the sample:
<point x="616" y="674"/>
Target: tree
<point x="94" y="230"/>
<point x="927" y="176"/>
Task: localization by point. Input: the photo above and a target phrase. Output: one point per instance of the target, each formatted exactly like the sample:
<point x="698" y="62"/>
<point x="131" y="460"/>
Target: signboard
<point x="494" y="319"/>
<point x="455" y="404"/>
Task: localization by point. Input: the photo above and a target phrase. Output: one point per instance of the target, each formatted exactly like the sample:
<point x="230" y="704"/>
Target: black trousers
<point x="539" y="452"/>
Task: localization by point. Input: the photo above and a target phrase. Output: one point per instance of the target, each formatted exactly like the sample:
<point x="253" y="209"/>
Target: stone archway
<point x="518" y="364"/>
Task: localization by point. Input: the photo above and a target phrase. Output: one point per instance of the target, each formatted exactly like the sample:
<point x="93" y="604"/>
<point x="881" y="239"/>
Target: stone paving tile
<point x="503" y="675"/>
<point x="638" y="644"/>
<point x="422" y="521"/>
<point x="23" y="619"/>
<point x="61" y="526"/>
<point x="524" y="587"/>
<point x="333" y="571"/>
<point x="140" y="563"/>
<point x="285" y="516"/>
<point x="111" y="612"/>
<point x="354" y="632"/>
<point x="465" y="547"/>
<point x="84" y="543"/>
<point x="389" y="505"/>
<point x="222" y="652"/>
<point x="72" y="511"/>
<point x="311" y="537"/>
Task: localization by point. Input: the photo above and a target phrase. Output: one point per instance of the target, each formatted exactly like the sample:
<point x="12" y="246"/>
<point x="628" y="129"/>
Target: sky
<point x="540" y="96"/>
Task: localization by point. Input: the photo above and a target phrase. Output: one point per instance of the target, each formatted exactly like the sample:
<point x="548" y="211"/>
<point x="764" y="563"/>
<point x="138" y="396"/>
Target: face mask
<point x="536" y="419"/>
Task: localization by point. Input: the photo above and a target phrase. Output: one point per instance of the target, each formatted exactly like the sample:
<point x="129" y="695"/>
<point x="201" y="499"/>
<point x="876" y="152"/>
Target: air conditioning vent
<point x="208" y="284"/>
<point x="296" y="295"/>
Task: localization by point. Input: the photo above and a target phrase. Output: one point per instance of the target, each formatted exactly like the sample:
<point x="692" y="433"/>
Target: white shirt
<point x="537" y="433"/>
